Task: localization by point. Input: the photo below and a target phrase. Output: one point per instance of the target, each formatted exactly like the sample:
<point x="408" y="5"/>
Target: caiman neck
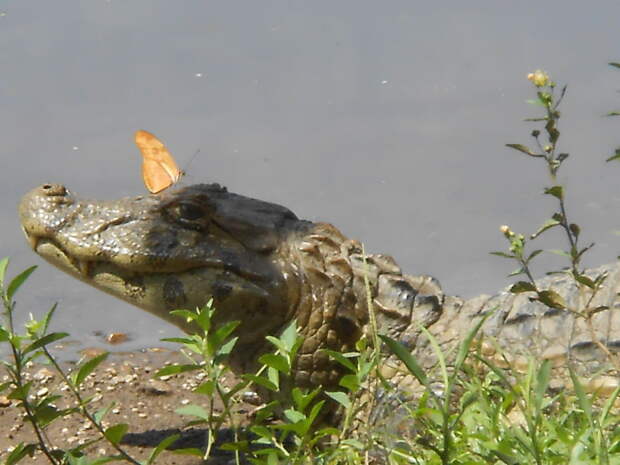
<point x="337" y="283"/>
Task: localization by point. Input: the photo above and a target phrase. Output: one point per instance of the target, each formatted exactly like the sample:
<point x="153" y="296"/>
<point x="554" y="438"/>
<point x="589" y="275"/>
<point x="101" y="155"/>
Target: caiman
<point x="265" y="267"/>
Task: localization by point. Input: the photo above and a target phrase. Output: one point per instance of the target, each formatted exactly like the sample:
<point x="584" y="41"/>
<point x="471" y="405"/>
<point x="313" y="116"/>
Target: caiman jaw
<point x="43" y="212"/>
<point x="57" y="256"/>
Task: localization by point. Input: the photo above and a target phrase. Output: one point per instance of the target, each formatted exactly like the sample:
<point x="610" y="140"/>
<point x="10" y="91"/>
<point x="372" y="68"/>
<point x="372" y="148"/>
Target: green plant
<point x="547" y="150"/>
<point x="207" y="350"/>
<point x="41" y="411"/>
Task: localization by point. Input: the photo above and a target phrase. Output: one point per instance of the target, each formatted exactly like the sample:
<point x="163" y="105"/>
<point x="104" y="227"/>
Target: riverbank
<point x="125" y="381"/>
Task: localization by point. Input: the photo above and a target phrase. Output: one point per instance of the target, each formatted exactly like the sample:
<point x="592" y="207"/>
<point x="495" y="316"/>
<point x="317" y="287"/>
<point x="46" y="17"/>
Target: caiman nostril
<point x="53" y="190"/>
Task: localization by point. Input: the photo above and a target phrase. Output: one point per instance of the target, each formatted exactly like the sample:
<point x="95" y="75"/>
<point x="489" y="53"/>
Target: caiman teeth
<point x="83" y="266"/>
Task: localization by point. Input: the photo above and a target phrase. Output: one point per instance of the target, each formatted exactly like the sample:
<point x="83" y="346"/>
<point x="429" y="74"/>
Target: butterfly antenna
<point x="186" y="167"/>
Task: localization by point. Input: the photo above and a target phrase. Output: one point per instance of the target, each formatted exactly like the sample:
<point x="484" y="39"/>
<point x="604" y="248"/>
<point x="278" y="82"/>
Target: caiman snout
<point x="52" y="190"/>
<point x="43" y="210"/>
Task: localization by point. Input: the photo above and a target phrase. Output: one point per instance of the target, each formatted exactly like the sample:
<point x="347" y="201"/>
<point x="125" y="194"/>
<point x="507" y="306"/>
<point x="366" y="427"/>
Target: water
<point x="388" y="119"/>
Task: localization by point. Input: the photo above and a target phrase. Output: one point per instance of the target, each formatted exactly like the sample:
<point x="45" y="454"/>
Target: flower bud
<point x="539" y="78"/>
<point x="505" y="230"/>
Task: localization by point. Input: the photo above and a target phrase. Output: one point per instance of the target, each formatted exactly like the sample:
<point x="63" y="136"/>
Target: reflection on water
<point x="388" y="120"/>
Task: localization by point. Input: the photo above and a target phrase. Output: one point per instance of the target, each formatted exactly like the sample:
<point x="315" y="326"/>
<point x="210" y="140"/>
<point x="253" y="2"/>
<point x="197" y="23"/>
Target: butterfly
<point x="159" y="170"/>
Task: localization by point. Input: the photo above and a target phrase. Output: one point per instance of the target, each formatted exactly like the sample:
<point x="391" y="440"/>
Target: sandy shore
<point x="146" y="404"/>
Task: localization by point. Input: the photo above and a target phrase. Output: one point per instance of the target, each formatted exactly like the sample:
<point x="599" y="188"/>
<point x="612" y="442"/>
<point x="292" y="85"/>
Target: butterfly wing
<point x="159" y="170"/>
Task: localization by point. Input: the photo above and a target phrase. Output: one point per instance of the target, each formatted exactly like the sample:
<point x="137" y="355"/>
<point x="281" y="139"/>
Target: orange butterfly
<point x="159" y="170"/>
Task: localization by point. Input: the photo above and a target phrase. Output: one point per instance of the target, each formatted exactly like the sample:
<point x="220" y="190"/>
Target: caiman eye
<point x="190" y="214"/>
<point x="190" y="211"/>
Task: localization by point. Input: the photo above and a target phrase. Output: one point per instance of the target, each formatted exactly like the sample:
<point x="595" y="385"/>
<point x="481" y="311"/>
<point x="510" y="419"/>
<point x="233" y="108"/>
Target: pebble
<point x="117" y="338"/>
<point x="155" y="387"/>
<point x="44" y="375"/>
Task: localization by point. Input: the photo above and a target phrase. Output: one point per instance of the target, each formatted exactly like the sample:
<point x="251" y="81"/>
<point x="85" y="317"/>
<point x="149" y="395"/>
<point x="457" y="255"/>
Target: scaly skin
<point x="265" y="267"/>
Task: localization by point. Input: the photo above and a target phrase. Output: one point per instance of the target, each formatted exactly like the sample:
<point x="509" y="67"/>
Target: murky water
<point x="388" y="119"/>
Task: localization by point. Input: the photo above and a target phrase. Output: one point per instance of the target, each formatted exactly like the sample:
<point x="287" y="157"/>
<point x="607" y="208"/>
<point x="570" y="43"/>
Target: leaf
<point x="207" y="388"/>
<point x="542" y="382"/>
<point x="161" y="447"/>
<point x="546" y="225"/>
<point x="502" y="254"/>
<point x="216" y="339"/>
<point x="302" y="400"/>
<point x="293" y="415"/>
<point x="349" y="382"/>
<point x="47" y="318"/>
<point x="17" y="281"/>
<point x="102" y="412"/>
<point x="87" y="368"/>
<point x="535" y="102"/>
<point x="523" y="149"/>
<point x="614" y="64"/>
<point x="275" y="361"/>
<point x="20" y="452"/>
<point x="584" y="250"/>
<point x="616" y="155"/>
<point x="4" y="263"/>
<point x="188" y="315"/>
<point x="190" y="451"/>
<point x="522" y="286"/>
<point x="504" y="457"/>
<point x="340" y="358"/>
<point x="20" y="392"/>
<point x="341" y="398"/>
<point x="274" y="376"/>
<point x="225" y="349"/>
<point x="516" y="272"/>
<point x="115" y="433"/>
<point x="194" y="411"/>
<point x="468" y="399"/>
<point x="466" y="343"/>
<point x="239" y="445"/>
<point x="562" y="253"/>
<point x="261" y="381"/>
<point x="600" y="308"/>
<point x="585" y="280"/>
<point x="552" y="299"/>
<point x="45" y="414"/>
<point x="175" y="369"/>
<point x="180" y="340"/>
<point x="314" y="412"/>
<point x="556" y="191"/>
<point x="534" y="254"/>
<point x="45" y="340"/>
<point x="289" y="335"/>
<point x="409" y="360"/>
<point x="584" y="403"/>
<point x="609" y="404"/>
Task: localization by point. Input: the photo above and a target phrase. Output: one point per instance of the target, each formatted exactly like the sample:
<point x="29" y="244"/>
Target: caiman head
<point x="173" y="250"/>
